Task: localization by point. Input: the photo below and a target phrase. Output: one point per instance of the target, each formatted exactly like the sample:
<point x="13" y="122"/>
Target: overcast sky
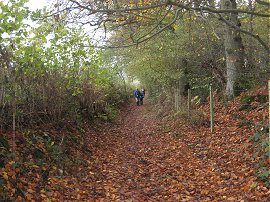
<point x="39" y="4"/>
<point x="36" y="4"/>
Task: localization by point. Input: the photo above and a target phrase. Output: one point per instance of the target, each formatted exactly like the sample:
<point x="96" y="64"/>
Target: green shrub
<point x="261" y="144"/>
<point x="109" y="114"/>
<point x="243" y="83"/>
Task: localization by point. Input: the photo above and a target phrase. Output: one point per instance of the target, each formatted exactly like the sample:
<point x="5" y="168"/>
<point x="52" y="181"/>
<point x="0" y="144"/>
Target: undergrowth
<point x="261" y="144"/>
<point x="39" y="155"/>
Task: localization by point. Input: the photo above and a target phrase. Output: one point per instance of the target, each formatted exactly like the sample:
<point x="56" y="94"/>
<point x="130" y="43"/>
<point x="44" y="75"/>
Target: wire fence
<point x="185" y="103"/>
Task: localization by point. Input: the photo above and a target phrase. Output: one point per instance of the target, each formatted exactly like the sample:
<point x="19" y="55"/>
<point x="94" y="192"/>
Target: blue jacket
<point x="137" y="94"/>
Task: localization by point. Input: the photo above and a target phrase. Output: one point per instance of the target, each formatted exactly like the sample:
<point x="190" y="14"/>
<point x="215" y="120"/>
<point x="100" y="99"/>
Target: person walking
<point x="137" y="95"/>
<point x="142" y="96"/>
<point x="143" y="91"/>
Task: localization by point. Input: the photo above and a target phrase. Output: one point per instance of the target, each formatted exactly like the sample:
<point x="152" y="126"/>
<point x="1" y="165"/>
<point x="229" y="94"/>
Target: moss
<point x="248" y="99"/>
<point x="246" y="102"/>
<point x="38" y="154"/>
<point x="4" y="143"/>
<point x="262" y="98"/>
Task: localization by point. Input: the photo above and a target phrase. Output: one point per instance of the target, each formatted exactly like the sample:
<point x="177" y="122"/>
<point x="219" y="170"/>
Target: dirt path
<point x="135" y="159"/>
<point x="141" y="164"/>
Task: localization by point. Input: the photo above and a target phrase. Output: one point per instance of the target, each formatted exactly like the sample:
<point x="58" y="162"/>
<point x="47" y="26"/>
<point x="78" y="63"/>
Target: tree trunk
<point x="234" y="50"/>
<point x="250" y="49"/>
<point x="250" y="22"/>
<point x="14" y="124"/>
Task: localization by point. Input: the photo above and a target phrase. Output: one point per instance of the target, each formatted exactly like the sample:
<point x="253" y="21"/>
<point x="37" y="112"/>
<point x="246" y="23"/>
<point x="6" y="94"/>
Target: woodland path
<point x="137" y="158"/>
<point x="140" y="163"/>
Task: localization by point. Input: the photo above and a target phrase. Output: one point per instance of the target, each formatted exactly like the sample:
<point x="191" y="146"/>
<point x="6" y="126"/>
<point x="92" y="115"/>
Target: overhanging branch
<point x="212" y="10"/>
<point x="265" y="3"/>
<point x="148" y="38"/>
<point x="266" y="47"/>
<point x="117" y="10"/>
<point x="170" y="3"/>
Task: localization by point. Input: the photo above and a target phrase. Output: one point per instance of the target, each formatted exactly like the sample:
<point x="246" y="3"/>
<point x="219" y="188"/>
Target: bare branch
<point x="118" y="10"/>
<point x="156" y="25"/>
<point x="172" y="3"/>
<point x="212" y="10"/>
<point x="266" y="47"/>
<point x="148" y="38"/>
<point x="56" y="13"/>
<point x="265" y="3"/>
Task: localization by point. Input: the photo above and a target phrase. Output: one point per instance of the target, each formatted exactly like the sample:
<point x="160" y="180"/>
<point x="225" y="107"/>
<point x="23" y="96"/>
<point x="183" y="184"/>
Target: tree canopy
<point x="132" y="23"/>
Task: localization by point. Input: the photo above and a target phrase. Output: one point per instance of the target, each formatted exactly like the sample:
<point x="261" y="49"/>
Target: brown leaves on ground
<point x="141" y="158"/>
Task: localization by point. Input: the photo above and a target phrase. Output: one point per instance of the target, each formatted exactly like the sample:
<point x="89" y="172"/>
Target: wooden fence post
<point x="189" y="102"/>
<point x="174" y="91"/>
<point x="269" y="117"/>
<point x="211" y="109"/>
<point x="176" y="100"/>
